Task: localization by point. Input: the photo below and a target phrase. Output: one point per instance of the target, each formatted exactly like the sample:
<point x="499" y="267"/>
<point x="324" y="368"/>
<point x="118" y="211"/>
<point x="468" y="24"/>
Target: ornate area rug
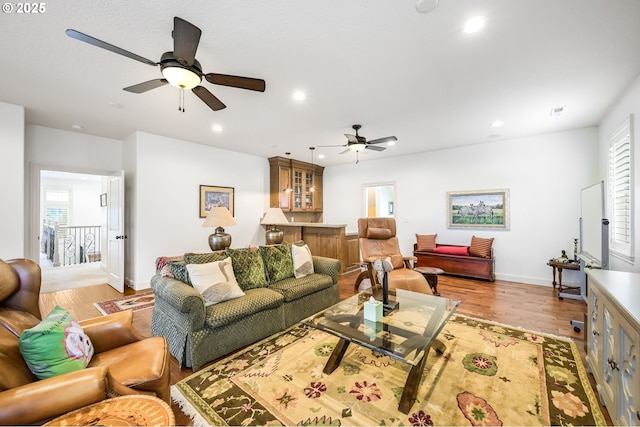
<point x="140" y="301"/>
<point x="489" y="374"/>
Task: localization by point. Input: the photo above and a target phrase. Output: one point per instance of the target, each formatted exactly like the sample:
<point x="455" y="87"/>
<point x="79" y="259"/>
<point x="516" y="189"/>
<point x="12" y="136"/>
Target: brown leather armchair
<point x="123" y="362"/>
<point x="378" y="239"/>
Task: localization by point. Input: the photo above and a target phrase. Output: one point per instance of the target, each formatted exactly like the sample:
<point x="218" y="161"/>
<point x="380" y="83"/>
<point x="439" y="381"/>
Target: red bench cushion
<point x="452" y="250"/>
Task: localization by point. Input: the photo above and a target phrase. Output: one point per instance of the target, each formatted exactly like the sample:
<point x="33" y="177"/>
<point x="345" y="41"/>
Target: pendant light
<point x="313" y="169"/>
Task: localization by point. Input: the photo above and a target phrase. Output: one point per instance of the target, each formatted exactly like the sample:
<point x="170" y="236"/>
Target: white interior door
<point x="115" y="234"/>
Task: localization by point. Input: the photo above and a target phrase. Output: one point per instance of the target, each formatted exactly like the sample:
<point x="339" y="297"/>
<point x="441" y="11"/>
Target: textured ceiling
<point x="378" y="63"/>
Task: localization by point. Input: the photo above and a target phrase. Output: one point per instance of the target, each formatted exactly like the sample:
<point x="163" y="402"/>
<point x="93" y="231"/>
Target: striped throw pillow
<point x="480" y="247"/>
<point x="426" y="242"/>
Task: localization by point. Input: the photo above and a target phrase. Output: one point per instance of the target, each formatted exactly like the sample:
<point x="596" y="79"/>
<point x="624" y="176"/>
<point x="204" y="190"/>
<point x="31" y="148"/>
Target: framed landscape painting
<point x="211" y="196"/>
<point x="478" y="209"/>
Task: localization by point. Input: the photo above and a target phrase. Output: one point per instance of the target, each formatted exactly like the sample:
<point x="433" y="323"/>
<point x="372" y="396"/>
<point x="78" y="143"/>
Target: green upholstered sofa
<point x="199" y="334"/>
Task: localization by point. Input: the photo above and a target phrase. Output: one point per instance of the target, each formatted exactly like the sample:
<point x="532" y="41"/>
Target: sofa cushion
<point x="278" y="261"/>
<point x="426" y="242"/>
<point x="480" y="247"/>
<point x="302" y="260"/>
<point x="293" y="289"/>
<point x="161" y="265"/>
<point x="15" y="371"/>
<point x="56" y="345"/>
<point x="203" y="258"/>
<point x="254" y="301"/>
<point x="452" y="250"/>
<point x="248" y="268"/>
<point x="215" y="281"/>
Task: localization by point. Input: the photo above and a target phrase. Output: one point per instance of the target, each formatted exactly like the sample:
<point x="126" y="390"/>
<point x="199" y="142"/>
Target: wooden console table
<point x="556" y="265"/>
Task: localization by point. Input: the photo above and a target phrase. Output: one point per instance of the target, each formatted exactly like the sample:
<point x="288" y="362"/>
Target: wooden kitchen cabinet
<point x="295" y="186"/>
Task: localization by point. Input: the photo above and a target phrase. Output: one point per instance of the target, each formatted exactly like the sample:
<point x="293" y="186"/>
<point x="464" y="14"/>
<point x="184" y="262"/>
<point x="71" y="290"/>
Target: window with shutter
<point x="620" y="191"/>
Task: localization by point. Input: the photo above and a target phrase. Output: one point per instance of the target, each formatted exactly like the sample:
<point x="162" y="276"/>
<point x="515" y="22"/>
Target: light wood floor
<point x="532" y="307"/>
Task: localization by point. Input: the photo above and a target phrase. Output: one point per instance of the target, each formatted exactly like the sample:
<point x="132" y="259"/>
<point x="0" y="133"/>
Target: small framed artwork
<point x="478" y="209"/>
<point x="212" y="196"/>
<point x="103" y="199"/>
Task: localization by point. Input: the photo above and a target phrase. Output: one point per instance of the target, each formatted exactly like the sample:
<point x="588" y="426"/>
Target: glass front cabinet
<point x="295" y="186"/>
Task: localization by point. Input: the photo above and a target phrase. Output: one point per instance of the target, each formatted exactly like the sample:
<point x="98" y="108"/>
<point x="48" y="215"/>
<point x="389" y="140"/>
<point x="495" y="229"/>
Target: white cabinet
<point x="613" y="337"/>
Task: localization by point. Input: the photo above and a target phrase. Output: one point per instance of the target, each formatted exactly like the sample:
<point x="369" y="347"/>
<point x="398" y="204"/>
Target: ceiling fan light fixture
<point x="357" y="147"/>
<point x="181" y="78"/>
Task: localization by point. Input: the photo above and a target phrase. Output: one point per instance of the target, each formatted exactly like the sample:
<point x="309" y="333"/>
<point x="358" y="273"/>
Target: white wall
<point x="164" y="216"/>
<point x="544" y="175"/>
<point x="628" y="103"/>
<point x="12" y="174"/>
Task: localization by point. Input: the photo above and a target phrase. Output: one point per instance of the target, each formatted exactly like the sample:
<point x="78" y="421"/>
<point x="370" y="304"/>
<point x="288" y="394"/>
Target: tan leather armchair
<point x="378" y="239"/>
<point x="123" y="362"/>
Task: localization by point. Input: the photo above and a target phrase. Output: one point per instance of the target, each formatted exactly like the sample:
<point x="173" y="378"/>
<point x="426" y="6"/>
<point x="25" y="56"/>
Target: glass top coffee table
<point x="406" y="334"/>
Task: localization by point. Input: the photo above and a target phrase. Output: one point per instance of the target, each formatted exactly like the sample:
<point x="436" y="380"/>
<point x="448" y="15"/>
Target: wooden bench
<point x="457" y="265"/>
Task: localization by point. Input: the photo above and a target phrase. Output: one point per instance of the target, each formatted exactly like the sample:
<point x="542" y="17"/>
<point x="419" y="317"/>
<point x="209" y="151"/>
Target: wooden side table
<point x="130" y="410"/>
<point x="431" y="274"/>
<point x="556" y="265"/>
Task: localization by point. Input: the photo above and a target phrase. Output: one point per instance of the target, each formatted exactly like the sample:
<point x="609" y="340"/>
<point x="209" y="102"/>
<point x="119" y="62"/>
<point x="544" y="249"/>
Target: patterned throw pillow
<point x="57" y="345"/>
<point x="278" y="261"/>
<point x="179" y="271"/>
<point x="426" y="242"/>
<point x="248" y="268"/>
<point x="215" y="281"/>
<point x="480" y="247"/>
<point x="193" y="258"/>
<point x="302" y="261"/>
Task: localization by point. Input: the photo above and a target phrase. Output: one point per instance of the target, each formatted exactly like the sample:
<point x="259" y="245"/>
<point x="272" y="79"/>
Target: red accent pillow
<point x="452" y="250"/>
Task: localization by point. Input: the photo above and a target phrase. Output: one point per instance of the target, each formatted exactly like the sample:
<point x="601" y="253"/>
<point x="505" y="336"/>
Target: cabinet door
<point x="317" y="184"/>
<point x="608" y="373"/>
<point x="298" y="189"/>
<point x="284" y="193"/>
<point x="627" y="405"/>
<point x="309" y="191"/>
<point x="594" y="332"/>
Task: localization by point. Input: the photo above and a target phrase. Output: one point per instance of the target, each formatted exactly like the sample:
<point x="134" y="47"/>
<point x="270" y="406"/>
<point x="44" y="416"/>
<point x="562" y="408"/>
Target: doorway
<point x="379" y="200"/>
<point x="70" y="228"/>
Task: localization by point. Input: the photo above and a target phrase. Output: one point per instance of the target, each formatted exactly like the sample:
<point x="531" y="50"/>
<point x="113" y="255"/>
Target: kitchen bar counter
<point x="329" y="240"/>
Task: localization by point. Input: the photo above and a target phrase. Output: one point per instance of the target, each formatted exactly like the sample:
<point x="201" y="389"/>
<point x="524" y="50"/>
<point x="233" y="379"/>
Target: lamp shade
<point x="219" y="217"/>
<point x="273" y="216"/>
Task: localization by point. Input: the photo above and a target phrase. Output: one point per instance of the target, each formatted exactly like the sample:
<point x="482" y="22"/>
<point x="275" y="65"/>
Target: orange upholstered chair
<point x="378" y="240"/>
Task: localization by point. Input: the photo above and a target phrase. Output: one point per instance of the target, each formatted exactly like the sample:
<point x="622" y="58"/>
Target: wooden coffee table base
<point x="413" y="378"/>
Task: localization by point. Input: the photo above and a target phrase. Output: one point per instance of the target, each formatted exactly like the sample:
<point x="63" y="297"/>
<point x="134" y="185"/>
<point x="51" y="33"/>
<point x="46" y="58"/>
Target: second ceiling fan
<point x="358" y="143"/>
<point x="180" y="66"/>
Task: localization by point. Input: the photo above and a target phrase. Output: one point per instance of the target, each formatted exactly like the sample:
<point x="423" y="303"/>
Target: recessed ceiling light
<point x="497" y="124"/>
<point x="77" y="127"/>
<point x="557" y="111"/>
<point x="217" y="128"/>
<point x="299" y="95"/>
<point x="391" y="143"/>
<point x="474" y="24"/>
<point x="321" y="156"/>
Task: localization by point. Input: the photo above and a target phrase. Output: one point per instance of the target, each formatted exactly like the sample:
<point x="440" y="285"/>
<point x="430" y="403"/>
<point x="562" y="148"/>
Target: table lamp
<point x="273" y="236"/>
<point x="219" y="217"/>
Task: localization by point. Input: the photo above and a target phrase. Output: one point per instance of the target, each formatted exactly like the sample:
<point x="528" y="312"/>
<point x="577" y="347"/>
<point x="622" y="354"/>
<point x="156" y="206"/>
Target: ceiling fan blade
<point x="104" y="45"/>
<point x="375" y="147"/>
<point x="382" y="140"/>
<point x="345" y="151"/>
<point x="208" y="98"/>
<point x="352" y="138"/>
<point x="236" y="81"/>
<point x="186" y="37"/>
<point x="143" y="87"/>
<point x="343" y="145"/>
